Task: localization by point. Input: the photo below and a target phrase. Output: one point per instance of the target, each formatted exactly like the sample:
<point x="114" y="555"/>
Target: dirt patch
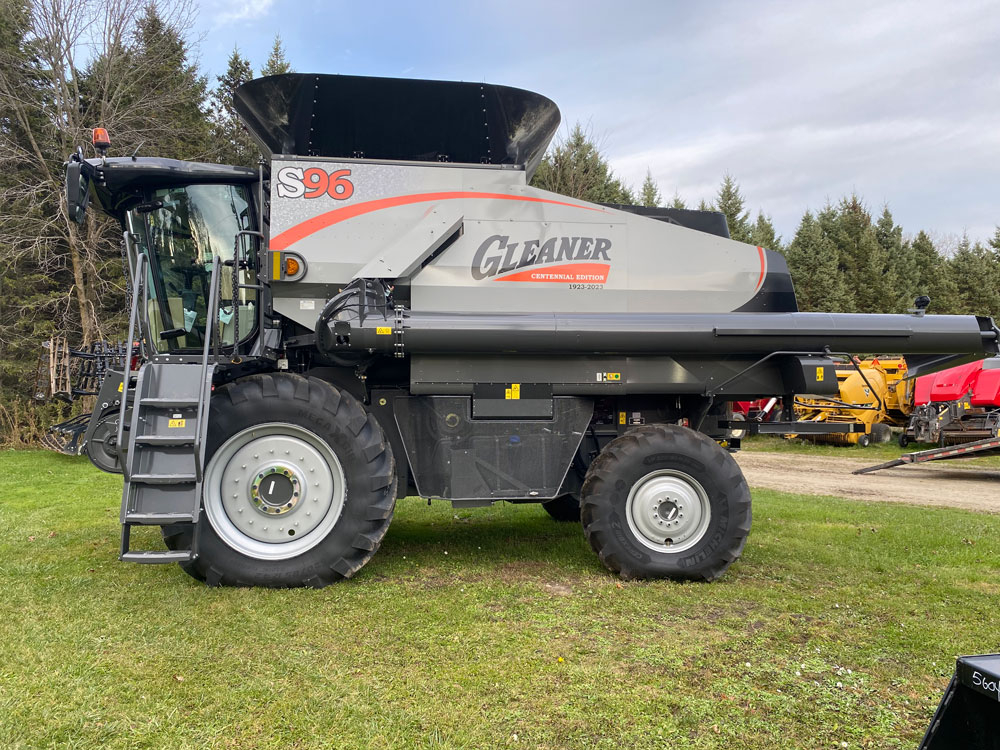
<point x="940" y="485"/>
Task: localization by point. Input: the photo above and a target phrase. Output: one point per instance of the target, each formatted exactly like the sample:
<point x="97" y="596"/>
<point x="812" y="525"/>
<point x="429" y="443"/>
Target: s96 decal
<point x="295" y="182"/>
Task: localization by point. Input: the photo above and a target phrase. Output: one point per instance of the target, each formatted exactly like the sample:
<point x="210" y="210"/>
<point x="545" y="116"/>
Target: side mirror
<point x="77" y="190"/>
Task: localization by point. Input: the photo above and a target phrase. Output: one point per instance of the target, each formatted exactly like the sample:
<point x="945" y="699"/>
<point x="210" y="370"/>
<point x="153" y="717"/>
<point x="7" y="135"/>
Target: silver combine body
<point x="388" y="308"/>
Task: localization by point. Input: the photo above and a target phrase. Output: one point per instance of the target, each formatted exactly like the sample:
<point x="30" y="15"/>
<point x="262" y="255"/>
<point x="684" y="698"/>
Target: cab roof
<point x="116" y="178"/>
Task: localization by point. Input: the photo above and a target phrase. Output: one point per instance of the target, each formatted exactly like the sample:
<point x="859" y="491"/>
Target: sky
<point x="801" y="102"/>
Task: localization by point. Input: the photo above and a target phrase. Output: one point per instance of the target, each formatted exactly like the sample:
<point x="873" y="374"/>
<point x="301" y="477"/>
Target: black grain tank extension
<point x="397" y="119"/>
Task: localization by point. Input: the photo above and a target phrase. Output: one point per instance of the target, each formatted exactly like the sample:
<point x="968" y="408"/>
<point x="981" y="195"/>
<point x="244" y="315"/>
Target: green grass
<point x="489" y="628"/>
<point x="875" y="452"/>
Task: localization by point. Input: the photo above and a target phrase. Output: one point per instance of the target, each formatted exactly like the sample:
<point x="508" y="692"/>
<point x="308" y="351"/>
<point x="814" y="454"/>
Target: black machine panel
<point x="397" y="119"/>
<point x="455" y="458"/>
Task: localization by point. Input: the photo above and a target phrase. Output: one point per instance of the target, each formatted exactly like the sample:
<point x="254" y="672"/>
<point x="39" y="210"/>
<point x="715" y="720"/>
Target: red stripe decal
<point x="763" y="268"/>
<point x="337" y="215"/>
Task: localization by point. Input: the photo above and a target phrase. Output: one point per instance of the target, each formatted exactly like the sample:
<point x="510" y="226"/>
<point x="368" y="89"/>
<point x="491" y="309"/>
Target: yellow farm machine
<point x="874" y="395"/>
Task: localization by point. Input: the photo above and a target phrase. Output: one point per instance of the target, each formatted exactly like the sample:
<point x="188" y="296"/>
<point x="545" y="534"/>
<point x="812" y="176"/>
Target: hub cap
<point x="668" y="511"/>
<point x="274" y="491"/>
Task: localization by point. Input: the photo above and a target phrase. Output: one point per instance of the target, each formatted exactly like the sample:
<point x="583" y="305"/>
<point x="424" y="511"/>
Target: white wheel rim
<point x="303" y="475"/>
<point x="668" y="511"/>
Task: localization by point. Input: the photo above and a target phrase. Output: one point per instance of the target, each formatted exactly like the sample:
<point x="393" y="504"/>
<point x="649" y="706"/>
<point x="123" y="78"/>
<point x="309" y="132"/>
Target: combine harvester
<point x="387" y="308"/>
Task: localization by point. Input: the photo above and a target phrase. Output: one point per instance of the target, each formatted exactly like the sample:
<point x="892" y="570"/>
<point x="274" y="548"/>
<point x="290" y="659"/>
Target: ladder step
<point x="163" y="479"/>
<point x="164" y="440"/>
<point x="170" y="403"/>
<point x="166" y="556"/>
<point x="159" y="519"/>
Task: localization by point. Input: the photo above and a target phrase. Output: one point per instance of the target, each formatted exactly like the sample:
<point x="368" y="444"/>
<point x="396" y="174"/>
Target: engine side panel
<point x="517" y="247"/>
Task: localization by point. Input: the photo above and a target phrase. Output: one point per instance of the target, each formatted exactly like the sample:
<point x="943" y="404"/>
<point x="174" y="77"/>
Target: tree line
<point x="842" y="258"/>
<point x="67" y="66"/>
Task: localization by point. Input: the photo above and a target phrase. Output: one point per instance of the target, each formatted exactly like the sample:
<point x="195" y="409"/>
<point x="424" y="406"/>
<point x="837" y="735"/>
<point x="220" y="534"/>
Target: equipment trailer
<point x="386" y="308"/>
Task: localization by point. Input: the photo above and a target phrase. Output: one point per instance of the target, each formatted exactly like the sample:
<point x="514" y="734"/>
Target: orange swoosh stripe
<point x="763" y="268"/>
<point x="337" y="215"/>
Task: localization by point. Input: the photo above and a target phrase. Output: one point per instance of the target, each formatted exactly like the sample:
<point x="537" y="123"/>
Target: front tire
<point x="666" y="502"/>
<point x="299" y="485"/>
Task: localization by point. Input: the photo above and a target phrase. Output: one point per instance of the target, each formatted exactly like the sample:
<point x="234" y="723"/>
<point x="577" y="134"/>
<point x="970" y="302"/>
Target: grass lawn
<point x="489" y="628"/>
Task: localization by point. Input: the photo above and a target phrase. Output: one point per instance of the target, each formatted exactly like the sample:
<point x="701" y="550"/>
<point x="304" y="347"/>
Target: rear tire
<point x="666" y="502"/>
<point x="312" y="431"/>
<point x="563" y="508"/>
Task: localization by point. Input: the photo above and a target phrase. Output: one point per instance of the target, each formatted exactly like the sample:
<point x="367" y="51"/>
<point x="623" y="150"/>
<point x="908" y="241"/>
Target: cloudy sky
<point x="801" y="102"/>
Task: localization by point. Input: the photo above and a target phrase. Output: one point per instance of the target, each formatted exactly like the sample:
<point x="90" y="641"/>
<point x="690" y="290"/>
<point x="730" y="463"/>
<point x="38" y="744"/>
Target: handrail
<point x="138" y="290"/>
<point x="237" y="286"/>
<point x="205" y="393"/>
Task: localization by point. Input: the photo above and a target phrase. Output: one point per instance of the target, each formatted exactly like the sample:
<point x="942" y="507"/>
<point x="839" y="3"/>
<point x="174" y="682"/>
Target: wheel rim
<point x="103" y="446"/>
<point x="274" y="491"/>
<point x="668" y="511"/>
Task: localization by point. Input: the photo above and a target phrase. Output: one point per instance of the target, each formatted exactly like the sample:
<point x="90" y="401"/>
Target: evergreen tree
<point x="173" y="117"/>
<point x="934" y="276"/>
<point x="977" y="276"/>
<point x="763" y="233"/>
<point x="729" y="201"/>
<point x="864" y="262"/>
<point x="576" y="167"/>
<point x="995" y="240"/>
<point x="677" y="201"/>
<point x="233" y="144"/>
<point x="277" y="63"/>
<point x="813" y="263"/>
<point x="704" y="205"/>
<point x="901" y="262"/>
<point x="649" y="195"/>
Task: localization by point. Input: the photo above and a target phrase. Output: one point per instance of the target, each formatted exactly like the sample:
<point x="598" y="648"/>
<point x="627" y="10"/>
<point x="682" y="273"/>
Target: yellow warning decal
<point x="513" y="393"/>
<point x="120" y="385"/>
<point x="177" y="423"/>
<point x="383" y="331"/>
<point x="819" y="374"/>
<point x="609" y="377"/>
<point x="621" y="417"/>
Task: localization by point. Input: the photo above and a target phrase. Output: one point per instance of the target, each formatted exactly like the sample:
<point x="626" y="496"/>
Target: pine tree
<point x="277" y="63"/>
<point x="934" y="276"/>
<point x="233" y="144"/>
<point x="813" y="263"/>
<point x="174" y="117"/>
<point x="901" y="266"/>
<point x="975" y="271"/>
<point x="862" y="260"/>
<point x="763" y="233"/>
<point x="649" y="195"/>
<point x="576" y="167"/>
<point x="677" y="201"/>
<point x="729" y="201"/>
